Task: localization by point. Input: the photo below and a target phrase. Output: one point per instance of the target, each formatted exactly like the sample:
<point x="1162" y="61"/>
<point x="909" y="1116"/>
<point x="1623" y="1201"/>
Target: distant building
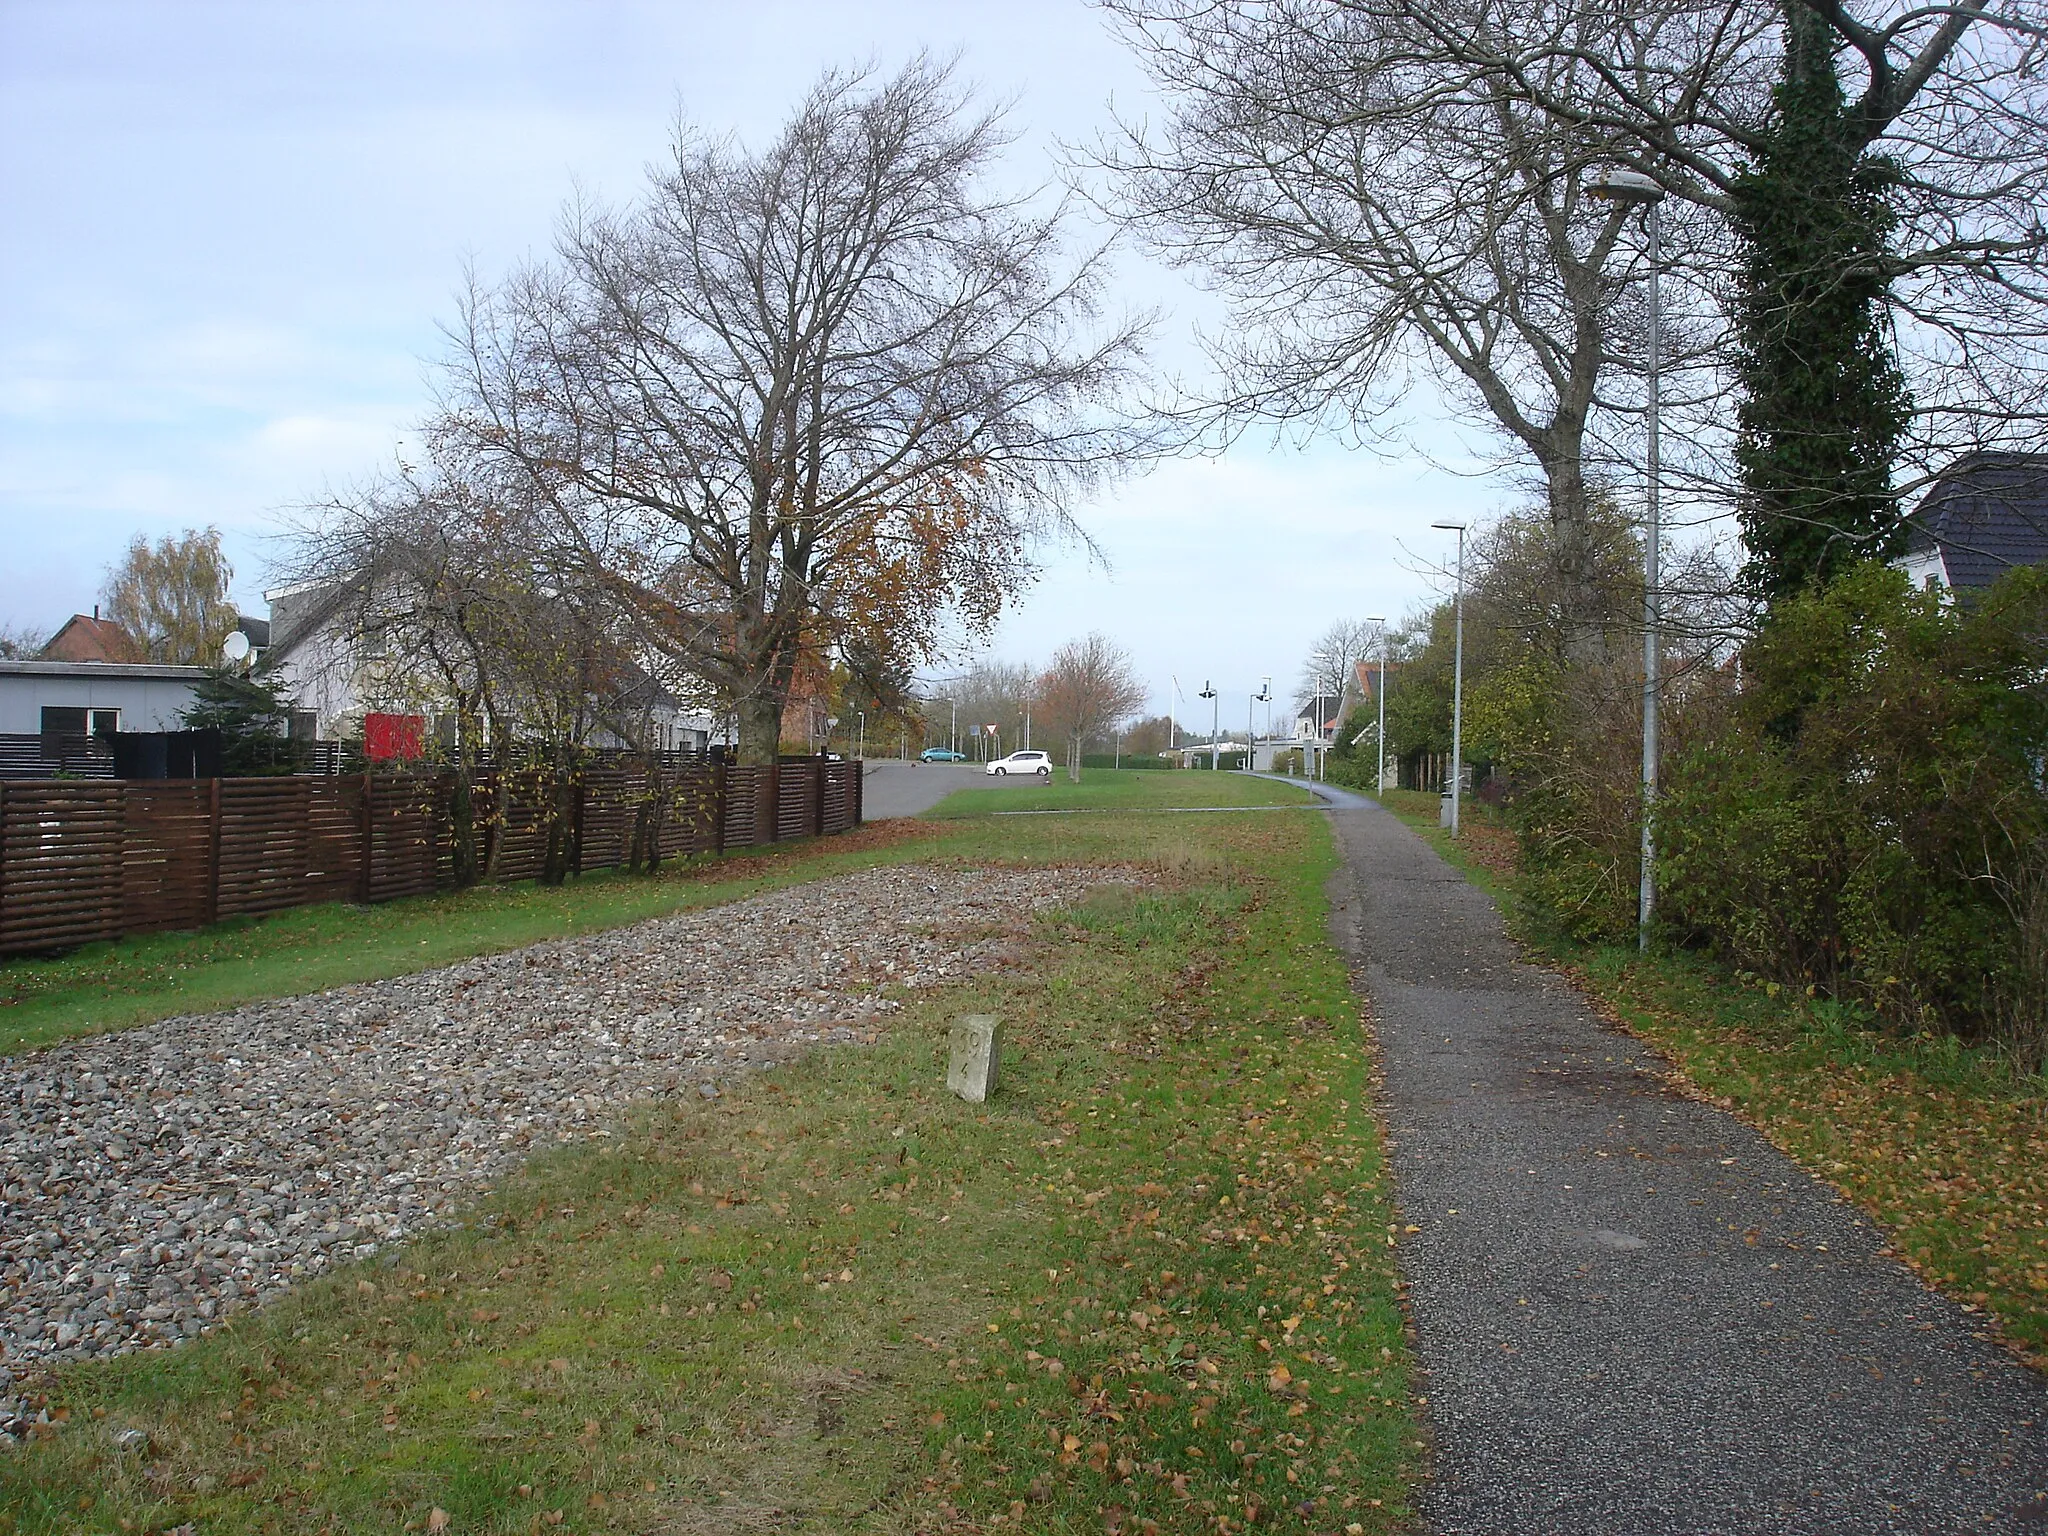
<point x="92" y="638"/>
<point x="1986" y="515"/>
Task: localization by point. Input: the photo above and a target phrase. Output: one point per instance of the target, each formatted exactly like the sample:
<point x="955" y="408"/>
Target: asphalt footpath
<point x="1634" y="1315"/>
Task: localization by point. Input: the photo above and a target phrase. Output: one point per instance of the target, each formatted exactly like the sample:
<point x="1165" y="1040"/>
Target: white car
<point x="1021" y="762"/>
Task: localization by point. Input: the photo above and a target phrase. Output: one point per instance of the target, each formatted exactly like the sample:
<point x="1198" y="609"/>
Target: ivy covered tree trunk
<point x="1824" y="403"/>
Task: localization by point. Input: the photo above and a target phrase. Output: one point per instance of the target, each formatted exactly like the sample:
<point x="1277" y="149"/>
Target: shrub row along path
<point x="153" y="1180"/>
<point x="1633" y="1313"/>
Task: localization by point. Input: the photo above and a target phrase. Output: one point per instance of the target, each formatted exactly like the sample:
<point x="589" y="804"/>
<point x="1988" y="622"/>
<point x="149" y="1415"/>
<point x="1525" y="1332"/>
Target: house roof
<point x="86" y="637"/>
<point x="146" y="671"/>
<point x="258" y="630"/>
<point x="1986" y="514"/>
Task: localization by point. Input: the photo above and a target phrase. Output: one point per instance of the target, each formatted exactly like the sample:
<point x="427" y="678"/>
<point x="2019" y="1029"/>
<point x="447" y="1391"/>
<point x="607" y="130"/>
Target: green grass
<point x="308" y="949"/>
<point x="1941" y="1144"/>
<point x="1148" y="1287"/>
<point x="1123" y="789"/>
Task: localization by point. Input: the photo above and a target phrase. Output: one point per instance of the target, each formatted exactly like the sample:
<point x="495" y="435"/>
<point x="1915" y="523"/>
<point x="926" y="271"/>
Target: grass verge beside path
<point x="1943" y="1145"/>
<point x="308" y="949"/>
<point x="1147" y="1288"/>
<point x="1123" y="789"/>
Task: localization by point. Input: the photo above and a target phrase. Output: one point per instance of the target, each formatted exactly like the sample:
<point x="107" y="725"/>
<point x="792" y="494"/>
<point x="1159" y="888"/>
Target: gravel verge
<point x="156" y="1180"/>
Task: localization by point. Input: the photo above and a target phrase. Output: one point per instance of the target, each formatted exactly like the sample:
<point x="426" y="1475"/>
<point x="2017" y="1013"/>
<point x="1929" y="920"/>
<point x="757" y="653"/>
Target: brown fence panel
<point x="611" y="804"/>
<point x="60" y="863"/>
<point x="521" y="826"/>
<point x="334" y="838"/>
<point x="166" y="855"/>
<point x="264" y="834"/>
<point x="85" y="860"/>
<point x="796" y="803"/>
<point x="842" y="781"/>
<point x="403" y="837"/>
<point x="692" y="822"/>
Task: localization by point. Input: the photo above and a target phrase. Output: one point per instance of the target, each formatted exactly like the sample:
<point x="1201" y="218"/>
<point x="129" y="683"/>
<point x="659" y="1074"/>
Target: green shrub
<point x="1869" y="819"/>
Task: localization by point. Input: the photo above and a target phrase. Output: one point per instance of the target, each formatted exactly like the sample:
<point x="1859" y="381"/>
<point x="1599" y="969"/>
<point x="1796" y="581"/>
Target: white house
<point x="1986" y="514"/>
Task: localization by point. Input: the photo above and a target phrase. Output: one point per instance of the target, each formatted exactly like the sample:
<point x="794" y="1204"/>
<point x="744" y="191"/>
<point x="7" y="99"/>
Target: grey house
<point x="46" y="698"/>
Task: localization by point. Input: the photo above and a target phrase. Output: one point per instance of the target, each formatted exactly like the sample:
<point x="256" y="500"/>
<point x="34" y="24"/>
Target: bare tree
<point x="1332" y="661"/>
<point x="823" y="392"/>
<point x="1089" y="689"/>
<point x="989" y="693"/>
<point x="21" y="642"/>
<point x="172" y="596"/>
<point x="1949" y="99"/>
<point x="443" y="595"/>
<point x="1369" y="213"/>
<point x="1386" y="184"/>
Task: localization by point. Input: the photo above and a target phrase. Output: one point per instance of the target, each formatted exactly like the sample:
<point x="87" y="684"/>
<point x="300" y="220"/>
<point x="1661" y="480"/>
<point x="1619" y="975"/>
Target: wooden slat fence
<point x="82" y="860"/>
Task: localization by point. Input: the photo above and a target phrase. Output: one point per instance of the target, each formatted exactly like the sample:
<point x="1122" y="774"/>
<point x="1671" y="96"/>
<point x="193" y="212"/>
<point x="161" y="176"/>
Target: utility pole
<point x="1457" y="683"/>
<point x="1634" y="188"/>
<point x="1381" y="740"/>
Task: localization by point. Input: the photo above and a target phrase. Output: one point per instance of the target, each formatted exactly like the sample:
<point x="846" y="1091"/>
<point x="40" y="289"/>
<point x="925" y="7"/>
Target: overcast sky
<point x="230" y="232"/>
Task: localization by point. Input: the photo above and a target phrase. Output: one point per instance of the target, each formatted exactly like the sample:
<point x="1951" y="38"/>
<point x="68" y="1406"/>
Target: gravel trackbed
<point x="152" y="1181"/>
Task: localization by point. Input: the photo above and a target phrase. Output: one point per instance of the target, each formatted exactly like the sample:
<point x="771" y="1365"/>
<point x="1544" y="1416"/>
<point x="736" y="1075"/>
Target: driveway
<point x="896" y="788"/>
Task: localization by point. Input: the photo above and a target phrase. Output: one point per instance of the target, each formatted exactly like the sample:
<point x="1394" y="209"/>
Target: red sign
<point x="394" y="738"/>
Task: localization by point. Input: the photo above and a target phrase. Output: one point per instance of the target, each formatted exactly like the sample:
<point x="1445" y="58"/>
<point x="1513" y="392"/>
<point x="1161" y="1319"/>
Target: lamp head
<point x="1621" y="186"/>
<point x="1450" y="527"/>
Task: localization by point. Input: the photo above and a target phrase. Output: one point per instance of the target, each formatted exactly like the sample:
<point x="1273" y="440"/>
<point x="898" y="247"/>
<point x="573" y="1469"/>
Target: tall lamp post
<point x="1318" y="660"/>
<point x="1380" y="741"/>
<point x="1634" y="189"/>
<point x="1215" y="753"/>
<point x="1457" y="682"/>
<point x="1251" y="733"/>
<point x="861" y="751"/>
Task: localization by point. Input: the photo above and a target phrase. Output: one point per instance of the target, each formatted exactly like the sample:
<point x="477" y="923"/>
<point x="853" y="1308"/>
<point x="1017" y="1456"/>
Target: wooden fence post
<point x="818" y="797"/>
<point x="368" y="888"/>
<point x="720" y="788"/>
<point x="213" y="850"/>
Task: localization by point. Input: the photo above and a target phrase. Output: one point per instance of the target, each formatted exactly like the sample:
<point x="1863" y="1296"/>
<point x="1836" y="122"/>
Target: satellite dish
<point x="235" y="647"/>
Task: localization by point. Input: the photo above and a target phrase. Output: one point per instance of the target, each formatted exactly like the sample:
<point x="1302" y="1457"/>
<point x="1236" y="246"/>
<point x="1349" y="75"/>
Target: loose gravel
<point x="158" y="1179"/>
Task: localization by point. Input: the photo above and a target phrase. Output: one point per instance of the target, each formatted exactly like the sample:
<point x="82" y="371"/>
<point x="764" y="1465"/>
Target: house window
<point x="60" y="720"/>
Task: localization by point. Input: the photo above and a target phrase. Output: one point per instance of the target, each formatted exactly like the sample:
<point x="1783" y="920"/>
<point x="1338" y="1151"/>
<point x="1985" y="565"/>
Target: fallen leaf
<point x="719" y="1280"/>
<point x="438" y="1520"/>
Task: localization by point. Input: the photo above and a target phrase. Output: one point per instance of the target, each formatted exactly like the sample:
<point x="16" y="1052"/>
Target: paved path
<point x="1635" y="1316"/>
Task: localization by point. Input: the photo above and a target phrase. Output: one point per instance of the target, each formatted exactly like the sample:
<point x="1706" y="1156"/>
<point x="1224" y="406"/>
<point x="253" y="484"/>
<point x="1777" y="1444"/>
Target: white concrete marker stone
<point x="977" y="1055"/>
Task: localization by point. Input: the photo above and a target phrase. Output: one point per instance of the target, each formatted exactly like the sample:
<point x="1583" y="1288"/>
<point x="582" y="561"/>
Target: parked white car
<point x="1021" y="762"/>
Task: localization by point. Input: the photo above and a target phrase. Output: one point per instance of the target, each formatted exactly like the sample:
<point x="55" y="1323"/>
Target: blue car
<point x="940" y="755"/>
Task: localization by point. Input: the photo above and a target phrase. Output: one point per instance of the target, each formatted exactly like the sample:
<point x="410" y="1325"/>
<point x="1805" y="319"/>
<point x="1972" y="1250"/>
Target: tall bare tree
<point x="172" y="596"/>
<point x="445" y="596"/>
<point x="989" y="693"/>
<point x="1369" y="216"/>
<point x="1089" y="689"/>
<point x="1331" y="663"/>
<point x="822" y="392"/>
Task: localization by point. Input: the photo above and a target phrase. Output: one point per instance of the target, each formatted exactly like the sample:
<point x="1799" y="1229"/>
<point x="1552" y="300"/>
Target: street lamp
<point x="1251" y="735"/>
<point x="862" y="750"/>
<point x="1457" y="682"/>
<point x="1634" y="189"/>
<point x="1318" y="660"/>
<point x="1381" y="740"/>
<point x="1215" y="754"/>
